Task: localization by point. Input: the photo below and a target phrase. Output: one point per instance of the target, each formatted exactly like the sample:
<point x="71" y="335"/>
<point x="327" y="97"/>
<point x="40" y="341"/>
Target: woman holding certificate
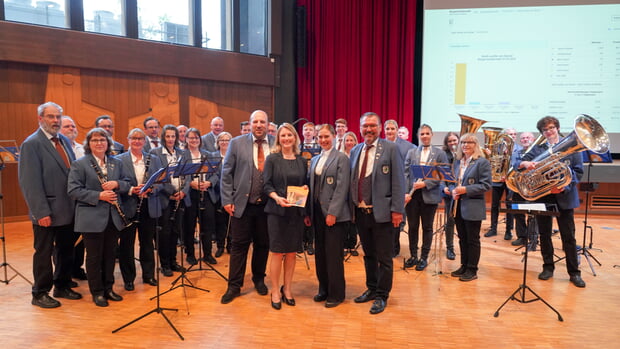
<point x="284" y="168"/>
<point x="329" y="188"/>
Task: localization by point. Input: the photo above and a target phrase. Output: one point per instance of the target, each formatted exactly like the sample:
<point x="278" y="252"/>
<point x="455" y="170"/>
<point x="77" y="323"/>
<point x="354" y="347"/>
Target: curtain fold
<point x="360" y="58"/>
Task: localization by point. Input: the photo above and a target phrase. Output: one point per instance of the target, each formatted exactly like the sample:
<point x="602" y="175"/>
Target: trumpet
<point x="147" y="163"/>
<point x="102" y="179"/>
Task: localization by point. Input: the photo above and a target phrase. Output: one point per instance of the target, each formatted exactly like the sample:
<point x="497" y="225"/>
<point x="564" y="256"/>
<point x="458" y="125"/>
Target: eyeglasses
<point x="468" y="142"/>
<point x="549" y="129"/>
<point x="136" y="138"/>
<point x="98" y="140"/>
<point x="193" y="138"/>
<point x="370" y="126"/>
<point x="224" y="140"/>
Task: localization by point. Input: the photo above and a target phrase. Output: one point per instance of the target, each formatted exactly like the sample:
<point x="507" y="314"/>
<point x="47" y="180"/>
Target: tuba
<point x="500" y="146"/>
<point x="469" y="124"/>
<point x="550" y="171"/>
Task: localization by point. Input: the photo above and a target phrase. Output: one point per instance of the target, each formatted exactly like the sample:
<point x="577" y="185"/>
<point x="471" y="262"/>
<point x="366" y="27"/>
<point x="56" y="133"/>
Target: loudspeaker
<point x="300" y="36"/>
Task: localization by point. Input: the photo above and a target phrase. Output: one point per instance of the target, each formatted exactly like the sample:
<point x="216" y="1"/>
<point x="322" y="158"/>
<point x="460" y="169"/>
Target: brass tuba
<point x="550" y="171"/>
<point x="469" y="124"/>
<point x="500" y="146"/>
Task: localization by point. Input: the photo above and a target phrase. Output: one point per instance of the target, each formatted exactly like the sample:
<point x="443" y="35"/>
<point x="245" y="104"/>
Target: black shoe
<point x="468" y="276"/>
<point x="209" y="259"/>
<point x="450" y="254"/>
<point x="276" y="305"/>
<point x="320" y="297"/>
<point x="191" y="260"/>
<point x="79" y="274"/>
<point x="545" y="275"/>
<point x="490" y="232"/>
<point x="66" y="293"/>
<point x="421" y="264"/>
<point x="367" y="296"/>
<point x="354" y="253"/>
<point x="310" y="249"/>
<point x="219" y="252"/>
<point x="113" y="296"/>
<point x="167" y="272"/>
<point x="460" y="271"/>
<point x="100" y="301"/>
<point x="411" y="262"/>
<point x="230" y="295"/>
<point x="518" y="242"/>
<point x="577" y="281"/>
<point x="177" y="267"/>
<point x="507" y="235"/>
<point x="378" y="306"/>
<point x="45" y="301"/>
<point x="129" y="286"/>
<point x="73" y="284"/>
<point x="332" y="304"/>
<point x="261" y="288"/>
<point x="288" y="301"/>
<point x="150" y="281"/>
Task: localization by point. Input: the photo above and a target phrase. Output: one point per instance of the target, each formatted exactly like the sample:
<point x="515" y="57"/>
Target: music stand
<point x="531" y="210"/>
<point x="588" y="187"/>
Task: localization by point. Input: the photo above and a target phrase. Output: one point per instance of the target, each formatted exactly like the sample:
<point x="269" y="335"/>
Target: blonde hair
<point x="469" y="137"/>
<point x="278" y="148"/>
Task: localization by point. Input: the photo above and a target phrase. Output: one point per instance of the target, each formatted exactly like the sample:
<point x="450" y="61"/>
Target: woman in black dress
<point x="284" y="167"/>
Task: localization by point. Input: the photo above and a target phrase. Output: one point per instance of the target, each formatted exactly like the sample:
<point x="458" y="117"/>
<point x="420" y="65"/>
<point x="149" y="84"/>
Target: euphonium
<point x="550" y="171"/>
<point x="500" y="146"/>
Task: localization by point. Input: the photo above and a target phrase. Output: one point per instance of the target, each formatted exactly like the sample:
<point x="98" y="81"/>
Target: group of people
<point x="95" y="194"/>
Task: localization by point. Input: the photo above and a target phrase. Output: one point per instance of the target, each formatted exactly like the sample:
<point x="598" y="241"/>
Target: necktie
<point x="363" y="173"/>
<point x="155" y="143"/>
<point x="260" y="155"/>
<point x="339" y="144"/>
<point x="61" y="151"/>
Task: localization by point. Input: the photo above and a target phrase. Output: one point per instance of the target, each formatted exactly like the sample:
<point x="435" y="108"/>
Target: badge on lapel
<point x="471" y="181"/>
<point x="385" y="169"/>
<point x="330" y="180"/>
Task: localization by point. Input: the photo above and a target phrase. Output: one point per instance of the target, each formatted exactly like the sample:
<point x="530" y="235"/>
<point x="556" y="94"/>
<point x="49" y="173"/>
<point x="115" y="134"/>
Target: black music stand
<point x="588" y="187"/>
<point x="531" y="213"/>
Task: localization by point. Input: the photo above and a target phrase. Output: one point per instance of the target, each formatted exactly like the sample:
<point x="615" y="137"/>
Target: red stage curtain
<point x="359" y="58"/>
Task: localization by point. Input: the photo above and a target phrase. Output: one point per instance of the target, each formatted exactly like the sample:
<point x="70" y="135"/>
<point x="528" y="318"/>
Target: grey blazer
<point x="431" y="194"/>
<point x="208" y="142"/>
<point x="237" y="172"/>
<point x="477" y="181"/>
<point x="43" y="179"/>
<point x="333" y="186"/>
<point x="388" y="180"/>
<point x="92" y="214"/>
<point x="404" y="147"/>
<point x="130" y="202"/>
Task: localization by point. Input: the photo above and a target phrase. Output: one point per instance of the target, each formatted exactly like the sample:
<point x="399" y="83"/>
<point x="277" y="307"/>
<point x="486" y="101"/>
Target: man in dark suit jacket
<point x="377" y="192"/>
<point x="567" y="199"/>
<point x="208" y="140"/>
<point x="44" y="161"/>
<point x="106" y="123"/>
<point x="244" y="200"/>
<point x="152" y="127"/>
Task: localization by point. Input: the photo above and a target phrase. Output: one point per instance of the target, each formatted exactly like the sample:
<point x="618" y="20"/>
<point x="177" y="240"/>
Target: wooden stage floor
<point x="425" y="309"/>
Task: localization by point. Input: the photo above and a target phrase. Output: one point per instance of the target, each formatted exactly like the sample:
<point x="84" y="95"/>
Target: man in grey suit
<point x="377" y="192"/>
<point x="244" y="200"/>
<point x="422" y="198"/>
<point x="45" y="157"/>
<point x="208" y="140"/>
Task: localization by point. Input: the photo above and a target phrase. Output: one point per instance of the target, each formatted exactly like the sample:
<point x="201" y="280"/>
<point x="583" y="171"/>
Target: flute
<point x="147" y="163"/>
<point x="102" y="179"/>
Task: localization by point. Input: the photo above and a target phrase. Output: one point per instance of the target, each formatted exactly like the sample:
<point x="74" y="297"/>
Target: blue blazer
<point x="404" y="147"/>
<point x="477" y="181"/>
<point x="92" y="214"/>
<point x="167" y="188"/>
<point x="333" y="186"/>
<point x="569" y="197"/>
<point x="42" y="176"/>
<point x="431" y="194"/>
<point x="388" y="180"/>
<point x="237" y="172"/>
<point x="130" y="202"/>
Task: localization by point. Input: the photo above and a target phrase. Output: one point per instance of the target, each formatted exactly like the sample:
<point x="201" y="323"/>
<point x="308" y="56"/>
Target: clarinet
<point x="178" y="202"/>
<point x="201" y="204"/>
<point x="103" y="179"/>
<point x="147" y="163"/>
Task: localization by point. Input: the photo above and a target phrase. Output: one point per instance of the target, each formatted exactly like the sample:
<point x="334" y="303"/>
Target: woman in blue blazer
<point x="94" y="183"/>
<point x="473" y="173"/>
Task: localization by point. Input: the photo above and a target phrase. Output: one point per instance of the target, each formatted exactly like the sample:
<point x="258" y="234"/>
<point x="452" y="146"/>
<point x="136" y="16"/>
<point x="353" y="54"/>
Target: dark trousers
<point x="78" y="257"/>
<point x="418" y="211"/>
<point x="350" y="239"/>
<point x="378" y="245"/>
<point x="52" y="243"/>
<point x="449" y="232"/>
<point x="222" y="237"/>
<point x="329" y="257"/>
<point x="469" y="240"/>
<point x="204" y="212"/>
<point x="498" y="191"/>
<point x="566" y="224"/>
<point x="100" y="258"/>
<point x="169" y="234"/>
<point x="251" y="228"/>
<point x="146" y="234"/>
<point x="520" y="222"/>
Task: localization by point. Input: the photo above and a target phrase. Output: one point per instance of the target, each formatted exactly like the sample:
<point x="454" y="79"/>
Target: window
<point x="103" y="16"/>
<point x="253" y="26"/>
<point x="50" y="13"/>
<point x="163" y="20"/>
<point x="216" y="24"/>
